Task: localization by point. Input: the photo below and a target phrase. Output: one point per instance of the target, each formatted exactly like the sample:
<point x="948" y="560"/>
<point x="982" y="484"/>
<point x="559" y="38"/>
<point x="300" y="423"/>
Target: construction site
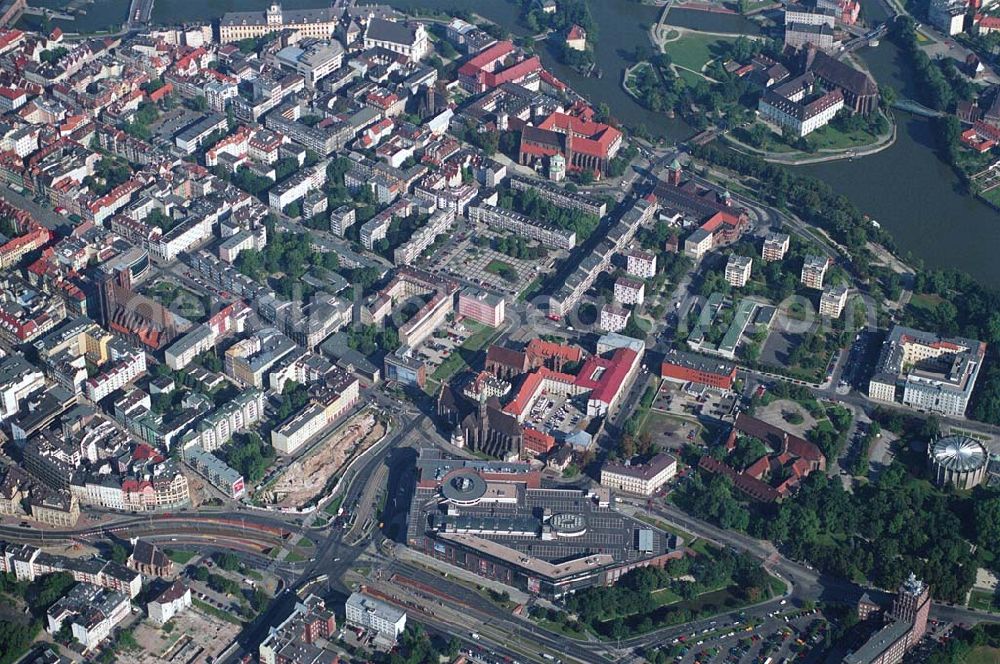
<point x="305" y="480"/>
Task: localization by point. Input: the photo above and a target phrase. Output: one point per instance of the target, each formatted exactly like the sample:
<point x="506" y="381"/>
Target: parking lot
<point x="170" y="123"/>
<point x="557" y="413"/>
<point x="782" y="634"/>
<point x="439" y="348"/>
<point x="466" y="260"/>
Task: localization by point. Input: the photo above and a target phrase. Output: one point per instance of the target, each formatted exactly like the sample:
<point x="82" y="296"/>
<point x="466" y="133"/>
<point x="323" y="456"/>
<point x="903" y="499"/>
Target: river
<point x="906" y="188"/>
<point x="912" y="193"/>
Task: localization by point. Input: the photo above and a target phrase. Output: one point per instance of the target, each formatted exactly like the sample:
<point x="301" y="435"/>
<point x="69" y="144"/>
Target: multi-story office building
<point x="27" y="563"/>
<point x="125" y="368"/>
<point x="314" y="59"/>
<point x="614" y="317"/>
<point x="322" y="139"/>
<point x="217" y="428"/>
<point x="903" y="628"/>
<point x="809" y="15"/>
<point x="629" y="291"/>
<point x="440" y="222"/>
<point x="297" y="186"/>
<point x="18" y="379"/>
<point x="481" y="306"/>
<point x="249" y="360"/>
<point x="641" y="263"/>
<point x="216" y="471"/>
<point x="933" y="373"/>
<point x="172" y="601"/>
<point x="682" y="367"/>
<point x="193" y="137"/>
<point x="948" y="16"/>
<point x="642" y="479"/>
<point x="91" y="611"/>
<point x="326" y="407"/>
<point x="372" y="614"/>
<point x="341" y="219"/>
<point x="292" y="640"/>
<point x="559" y="196"/>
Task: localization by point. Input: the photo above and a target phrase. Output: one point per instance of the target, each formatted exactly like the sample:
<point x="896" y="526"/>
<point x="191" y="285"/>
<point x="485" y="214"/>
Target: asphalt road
<point x="246" y="524"/>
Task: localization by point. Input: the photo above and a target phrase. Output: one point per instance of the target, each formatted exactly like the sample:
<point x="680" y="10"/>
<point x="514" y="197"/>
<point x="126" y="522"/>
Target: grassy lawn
<point x="984" y="600"/>
<point x="831" y="138"/>
<point x="629" y="79"/>
<point x="983" y="655"/>
<point x="559" y="628"/>
<point x="306" y="543"/>
<point x="294" y="557"/>
<point x="218" y="613"/>
<point x="693" y="51"/>
<point x="690" y="77"/>
<point x="180" y="557"/>
<point x="992" y="196"/>
<point x="924" y="304"/>
<point x="334" y="505"/>
<point x="459" y="358"/>
<point x="502" y="269"/>
<point x="665" y="596"/>
<point x="169" y="294"/>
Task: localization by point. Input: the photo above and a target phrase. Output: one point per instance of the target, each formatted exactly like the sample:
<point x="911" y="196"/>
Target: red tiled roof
<point x="486" y="58"/>
<point x="779" y="439"/>
<point x="549" y="349"/>
<point x="517" y="72"/>
<point x="751" y="486"/>
<point x="533" y="382"/>
<point x="988" y="22"/>
<point x="610" y="380"/>
<point x="588" y="137"/>
<point x="538" y="441"/>
<point x="547" y="76"/>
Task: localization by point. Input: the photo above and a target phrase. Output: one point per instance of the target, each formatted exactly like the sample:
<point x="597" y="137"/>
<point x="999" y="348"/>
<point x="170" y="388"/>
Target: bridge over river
<point x="916" y="108"/>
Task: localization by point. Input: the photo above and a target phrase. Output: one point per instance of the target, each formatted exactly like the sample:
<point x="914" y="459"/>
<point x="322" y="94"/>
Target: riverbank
<point x="822" y="155"/>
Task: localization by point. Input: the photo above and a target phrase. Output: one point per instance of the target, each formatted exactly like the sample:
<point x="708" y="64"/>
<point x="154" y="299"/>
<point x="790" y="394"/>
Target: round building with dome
<point x="958" y="460"/>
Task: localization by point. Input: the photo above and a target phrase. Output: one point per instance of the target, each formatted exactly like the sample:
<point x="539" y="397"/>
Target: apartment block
<point x="833" y="300"/>
<point x="629" y="291"/>
<point x="775" y="246"/>
<point x="814" y="271"/>
<point x="641" y="263"/>
<point x="519" y="224"/>
<point x="614" y="317"/>
<point x="738" y="270"/>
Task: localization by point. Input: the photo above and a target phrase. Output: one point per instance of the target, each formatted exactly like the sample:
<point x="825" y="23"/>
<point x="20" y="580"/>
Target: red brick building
<point x="682" y="367"/>
<point x="585" y="144"/>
